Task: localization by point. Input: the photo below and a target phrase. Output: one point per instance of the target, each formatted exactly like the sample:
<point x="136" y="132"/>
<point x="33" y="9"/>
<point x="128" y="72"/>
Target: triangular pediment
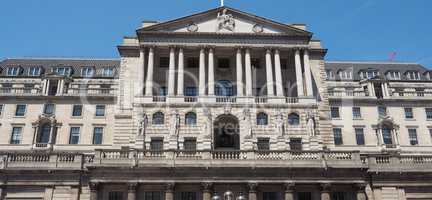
<point x="225" y="20"/>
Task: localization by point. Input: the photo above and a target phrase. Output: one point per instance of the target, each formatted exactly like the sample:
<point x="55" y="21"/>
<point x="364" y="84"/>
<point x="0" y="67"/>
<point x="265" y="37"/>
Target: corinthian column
<point x="132" y="191"/>
<point x="211" y="87"/>
<point x="140" y="84"/>
<point x="299" y="73"/>
<point x="239" y="72"/>
<point x="202" y="73"/>
<point x="94" y="191"/>
<point x="149" y="81"/>
<point x="269" y="73"/>
<point x="308" y="75"/>
<point x="248" y="71"/>
<point x="278" y="74"/>
<point x="171" y="73"/>
<point x="180" y="78"/>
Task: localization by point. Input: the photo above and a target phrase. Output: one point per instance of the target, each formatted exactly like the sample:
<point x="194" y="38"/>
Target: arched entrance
<point x="226" y="133"/>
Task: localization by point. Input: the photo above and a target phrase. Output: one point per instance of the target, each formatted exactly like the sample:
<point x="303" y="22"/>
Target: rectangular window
<point x="77" y="110"/>
<point x="413" y="136"/>
<point x="335" y="112"/>
<point x="156" y="144"/>
<point x="87" y="72"/>
<point x="428" y="113"/>
<point x="97" y="135"/>
<point x="409" y="113"/>
<point x="192" y="62"/>
<point x="382" y="111"/>
<point x="224" y="63"/>
<point x="108" y="72"/>
<point x="13" y="71"/>
<point x="295" y="144"/>
<point x="153" y="195"/>
<point x="74" y="135"/>
<point x="263" y="144"/>
<point x="34" y="71"/>
<point x="191" y="91"/>
<point x="49" y="109"/>
<point x="1" y="109"/>
<point x="16" y="135"/>
<point x="337" y="134"/>
<point x="430" y="133"/>
<point x="185" y="196"/>
<point x="163" y="91"/>
<point x="164" y="62"/>
<point x="329" y="74"/>
<point x="115" y="195"/>
<point x="20" y="110"/>
<point x="356" y="113"/>
<point x="360" y="138"/>
<point x="189" y="144"/>
<point x="63" y="71"/>
<point x="100" y="110"/>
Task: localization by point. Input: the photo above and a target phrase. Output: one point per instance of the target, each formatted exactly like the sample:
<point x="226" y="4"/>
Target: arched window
<point x="158" y="118"/>
<point x="262" y="119"/>
<point x="44" y="134"/>
<point x="387" y="135"/>
<point x="191" y="118"/>
<point x="293" y="119"/>
<point x="224" y="88"/>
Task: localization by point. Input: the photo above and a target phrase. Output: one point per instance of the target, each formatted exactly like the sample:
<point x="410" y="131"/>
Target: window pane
<point x="44" y="134"/>
<point x="77" y="110"/>
<point x="263" y="144"/>
<point x="262" y="119"/>
<point x="97" y="135"/>
<point x="295" y="144"/>
<point x="293" y="119"/>
<point x="16" y="135"/>
<point x="382" y="111"/>
<point x="337" y="132"/>
<point x="387" y="137"/>
<point x="20" y="110"/>
<point x="356" y="112"/>
<point x="100" y="110"/>
<point x="413" y="136"/>
<point x="189" y="144"/>
<point x="429" y="113"/>
<point x="409" y="113"/>
<point x="156" y="145"/>
<point x="360" y="136"/>
<point x="191" y="119"/>
<point x="191" y="91"/>
<point x="74" y="135"/>
<point x="335" y="112"/>
<point x="49" y="109"/>
<point x="158" y="118"/>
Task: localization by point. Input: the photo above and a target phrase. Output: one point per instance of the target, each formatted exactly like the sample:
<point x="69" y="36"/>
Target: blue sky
<point x="351" y="30"/>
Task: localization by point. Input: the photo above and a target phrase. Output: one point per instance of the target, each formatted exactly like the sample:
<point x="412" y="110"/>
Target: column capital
<point x="132" y="186"/>
<point x="360" y="186"/>
<point x="206" y="186"/>
<point x="252" y="186"/>
<point x="169" y="187"/>
<point x="276" y="51"/>
<point x="268" y="50"/>
<point x="211" y="50"/>
<point x="94" y="186"/>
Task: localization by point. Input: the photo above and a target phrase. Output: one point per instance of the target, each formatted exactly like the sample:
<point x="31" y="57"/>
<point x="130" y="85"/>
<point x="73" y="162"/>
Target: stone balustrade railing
<point x="90" y="92"/>
<point x="228" y="99"/>
<point x="22" y="91"/>
<point x="283" y="159"/>
<point x="345" y="93"/>
<point x="412" y="93"/>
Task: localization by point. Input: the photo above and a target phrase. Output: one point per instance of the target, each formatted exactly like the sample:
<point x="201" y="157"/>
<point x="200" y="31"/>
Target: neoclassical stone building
<point x="221" y="104"/>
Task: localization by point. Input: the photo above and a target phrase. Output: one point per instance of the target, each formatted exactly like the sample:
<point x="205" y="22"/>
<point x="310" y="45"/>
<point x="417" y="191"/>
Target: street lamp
<point x="228" y="195"/>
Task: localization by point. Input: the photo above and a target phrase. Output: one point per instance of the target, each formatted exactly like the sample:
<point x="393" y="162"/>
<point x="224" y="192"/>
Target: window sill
<point x="336" y="118"/>
<point x="77" y="117"/>
<point x="409" y="119"/>
<point x="358" y="118"/>
<point x="19" y="116"/>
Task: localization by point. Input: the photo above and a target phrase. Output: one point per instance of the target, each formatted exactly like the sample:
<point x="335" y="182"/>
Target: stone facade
<point x="217" y="105"/>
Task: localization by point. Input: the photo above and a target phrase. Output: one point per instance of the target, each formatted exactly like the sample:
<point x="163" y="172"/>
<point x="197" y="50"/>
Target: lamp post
<point x="228" y="195"/>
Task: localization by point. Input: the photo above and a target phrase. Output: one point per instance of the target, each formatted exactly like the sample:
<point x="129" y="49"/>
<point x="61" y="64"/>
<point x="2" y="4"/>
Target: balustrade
<point x="78" y="161"/>
<point x="22" y="91"/>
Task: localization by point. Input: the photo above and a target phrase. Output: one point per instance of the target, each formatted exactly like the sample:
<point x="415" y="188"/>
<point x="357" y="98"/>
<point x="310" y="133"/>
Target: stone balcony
<point x="21" y="91"/>
<point x="40" y="160"/>
<point x="226" y="100"/>
<point x="90" y="92"/>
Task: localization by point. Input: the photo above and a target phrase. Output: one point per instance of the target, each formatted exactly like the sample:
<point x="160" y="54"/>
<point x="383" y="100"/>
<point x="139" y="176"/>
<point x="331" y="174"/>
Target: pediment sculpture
<point x="225" y="21"/>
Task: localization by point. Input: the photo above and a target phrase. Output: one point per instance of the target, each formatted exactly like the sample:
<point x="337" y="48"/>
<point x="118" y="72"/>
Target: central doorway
<point x="226" y="133"/>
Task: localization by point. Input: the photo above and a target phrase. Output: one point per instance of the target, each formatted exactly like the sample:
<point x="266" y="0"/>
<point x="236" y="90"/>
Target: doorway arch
<point x="226" y="133"/>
